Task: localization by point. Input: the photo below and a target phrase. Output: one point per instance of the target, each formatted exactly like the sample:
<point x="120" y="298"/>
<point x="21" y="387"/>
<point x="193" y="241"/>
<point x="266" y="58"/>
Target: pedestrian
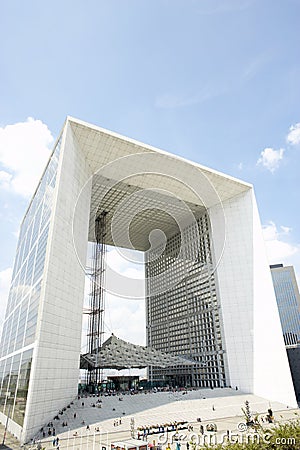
<point x="88" y="427"/>
<point x="54" y="442"/>
<point x="202" y="429"/>
<point x="187" y="446"/>
<point x="82" y="404"/>
<point x="75" y="415"/>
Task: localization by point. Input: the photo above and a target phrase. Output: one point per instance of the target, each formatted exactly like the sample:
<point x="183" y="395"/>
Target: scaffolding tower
<point x="97" y="297"/>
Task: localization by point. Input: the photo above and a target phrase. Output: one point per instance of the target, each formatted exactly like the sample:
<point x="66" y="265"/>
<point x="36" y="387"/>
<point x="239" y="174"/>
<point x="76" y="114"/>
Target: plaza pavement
<point x="219" y="406"/>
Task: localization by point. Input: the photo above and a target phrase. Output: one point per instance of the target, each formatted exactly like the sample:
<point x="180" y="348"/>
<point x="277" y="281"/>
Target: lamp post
<point x="132" y="427"/>
<point x="7" y="417"/>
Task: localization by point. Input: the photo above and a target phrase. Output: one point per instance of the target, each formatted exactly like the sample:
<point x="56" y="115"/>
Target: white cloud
<point x="270" y="158"/>
<point x="278" y="249"/>
<point x="24" y="151"/>
<point x="294" y="134"/>
<point x="120" y="259"/>
<point x="126" y="319"/>
<point x="125" y="273"/>
<point x="286" y="230"/>
<point x="5" y="279"/>
<point x="5" y="179"/>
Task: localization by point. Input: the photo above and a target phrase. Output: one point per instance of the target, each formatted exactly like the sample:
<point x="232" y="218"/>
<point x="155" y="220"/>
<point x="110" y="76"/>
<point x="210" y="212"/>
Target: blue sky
<point x="215" y="81"/>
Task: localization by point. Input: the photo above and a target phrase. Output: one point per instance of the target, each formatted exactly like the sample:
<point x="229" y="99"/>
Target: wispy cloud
<point x="270" y="158"/>
<point x="255" y="65"/>
<point x="220" y="84"/>
<point x="207" y="7"/>
<point x="178" y="100"/>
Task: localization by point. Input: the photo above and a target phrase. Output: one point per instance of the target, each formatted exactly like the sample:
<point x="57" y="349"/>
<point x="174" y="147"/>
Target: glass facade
<point x="184" y="319"/>
<point x="19" y="328"/>
<point x="288" y="301"/>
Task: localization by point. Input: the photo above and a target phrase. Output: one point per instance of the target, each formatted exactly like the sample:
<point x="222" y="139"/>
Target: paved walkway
<point x="113" y="421"/>
<point x="10" y="441"/>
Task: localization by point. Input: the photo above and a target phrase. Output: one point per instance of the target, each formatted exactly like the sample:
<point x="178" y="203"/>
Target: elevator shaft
<point x="97" y="295"/>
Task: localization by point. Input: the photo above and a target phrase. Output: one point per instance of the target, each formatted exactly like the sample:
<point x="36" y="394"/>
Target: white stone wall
<point x="235" y="282"/>
<point x="253" y="338"/>
<point x="272" y="376"/>
<point x="54" y="375"/>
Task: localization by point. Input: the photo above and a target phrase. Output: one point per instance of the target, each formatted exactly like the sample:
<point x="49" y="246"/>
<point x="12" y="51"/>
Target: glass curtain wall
<point x="19" y="328"/>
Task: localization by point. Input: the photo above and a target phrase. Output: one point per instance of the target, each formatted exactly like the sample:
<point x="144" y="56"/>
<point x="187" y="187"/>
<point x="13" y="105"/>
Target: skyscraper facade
<point x="191" y="308"/>
<point x="288" y="301"/>
<point x="208" y="283"/>
<point x="20" y="324"/>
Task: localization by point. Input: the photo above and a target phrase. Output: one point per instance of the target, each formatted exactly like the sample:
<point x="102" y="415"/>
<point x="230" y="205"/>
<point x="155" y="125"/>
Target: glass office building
<point x="208" y="283"/>
<point x="288" y="301"/>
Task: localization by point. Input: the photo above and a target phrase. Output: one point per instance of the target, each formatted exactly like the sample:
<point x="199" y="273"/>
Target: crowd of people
<point x="144" y="431"/>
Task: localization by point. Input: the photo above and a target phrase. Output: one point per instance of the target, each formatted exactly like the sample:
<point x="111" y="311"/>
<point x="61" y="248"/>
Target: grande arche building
<point x="209" y="293"/>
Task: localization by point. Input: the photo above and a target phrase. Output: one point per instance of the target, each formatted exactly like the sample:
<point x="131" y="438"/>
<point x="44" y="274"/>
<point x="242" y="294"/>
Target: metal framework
<point x="118" y="354"/>
<point x="96" y="310"/>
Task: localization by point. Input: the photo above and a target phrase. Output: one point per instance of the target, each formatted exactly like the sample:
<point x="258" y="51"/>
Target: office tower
<point x="288" y="301"/>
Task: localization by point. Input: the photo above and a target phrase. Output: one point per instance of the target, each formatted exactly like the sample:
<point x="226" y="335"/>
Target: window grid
<point x="184" y="320"/>
<point x="23" y="302"/>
